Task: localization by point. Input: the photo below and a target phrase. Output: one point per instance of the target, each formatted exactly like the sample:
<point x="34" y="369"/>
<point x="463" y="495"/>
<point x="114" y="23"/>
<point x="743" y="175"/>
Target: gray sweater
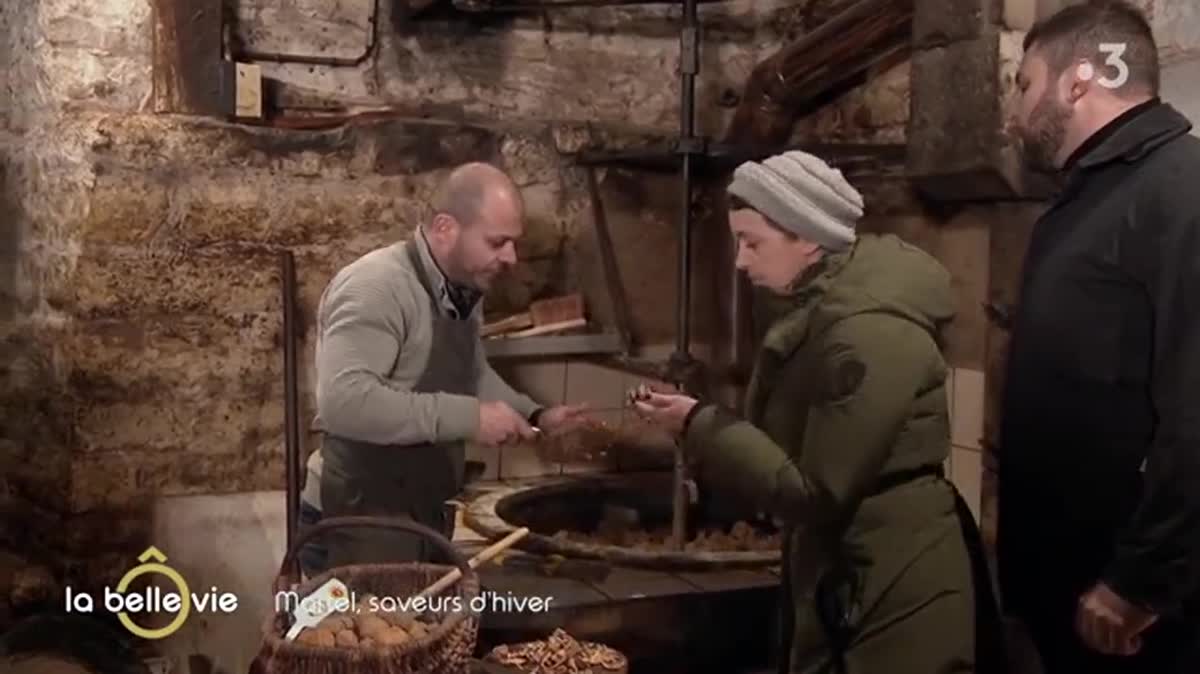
<point x="374" y="332"/>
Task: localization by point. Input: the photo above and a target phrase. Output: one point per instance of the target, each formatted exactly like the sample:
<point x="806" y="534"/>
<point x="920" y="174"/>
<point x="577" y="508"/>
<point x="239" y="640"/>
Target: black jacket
<point x="1100" y="432"/>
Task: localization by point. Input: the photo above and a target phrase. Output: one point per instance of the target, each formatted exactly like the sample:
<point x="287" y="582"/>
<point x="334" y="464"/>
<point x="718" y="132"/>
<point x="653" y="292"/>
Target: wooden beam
<point x="797" y="78"/>
<point x="188" y="52"/>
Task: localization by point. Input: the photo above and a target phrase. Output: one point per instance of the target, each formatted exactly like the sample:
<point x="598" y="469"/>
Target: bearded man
<point x="1099" y="525"/>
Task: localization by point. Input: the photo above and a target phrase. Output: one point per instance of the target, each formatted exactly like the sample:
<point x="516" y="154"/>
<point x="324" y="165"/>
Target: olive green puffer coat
<point x="843" y="438"/>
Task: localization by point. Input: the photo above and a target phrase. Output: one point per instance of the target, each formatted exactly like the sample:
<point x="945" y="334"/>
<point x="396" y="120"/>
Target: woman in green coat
<point x="845" y="432"/>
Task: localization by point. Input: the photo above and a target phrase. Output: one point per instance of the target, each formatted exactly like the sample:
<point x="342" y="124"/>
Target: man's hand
<point x="665" y="410"/>
<point x="500" y="424"/>
<point x="1109" y="624"/>
<point x="563" y="418"/>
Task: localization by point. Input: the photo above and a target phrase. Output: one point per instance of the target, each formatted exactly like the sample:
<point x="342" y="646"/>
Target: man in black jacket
<point x="1099" y="524"/>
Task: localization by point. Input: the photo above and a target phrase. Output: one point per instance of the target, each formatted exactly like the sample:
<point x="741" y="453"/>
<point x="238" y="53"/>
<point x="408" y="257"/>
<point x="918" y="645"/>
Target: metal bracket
<point x="695" y="145"/>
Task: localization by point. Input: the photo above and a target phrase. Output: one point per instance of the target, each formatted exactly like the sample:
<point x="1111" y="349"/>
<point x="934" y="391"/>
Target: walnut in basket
<point x="347" y="639"/>
<point x="393" y="636"/>
<point x="317" y="637"/>
<point x="336" y="622"/>
<point x="371" y="626"/>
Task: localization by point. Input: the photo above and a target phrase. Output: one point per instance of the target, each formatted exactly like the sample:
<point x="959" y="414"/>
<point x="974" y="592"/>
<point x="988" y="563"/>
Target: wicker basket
<point x="446" y="649"/>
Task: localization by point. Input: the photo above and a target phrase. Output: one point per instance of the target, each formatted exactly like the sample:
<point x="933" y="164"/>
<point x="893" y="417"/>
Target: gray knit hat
<point x="802" y="194"/>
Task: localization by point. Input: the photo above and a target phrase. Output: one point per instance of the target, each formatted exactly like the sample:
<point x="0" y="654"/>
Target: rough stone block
<point x="126" y="208"/>
<point x="133" y="359"/>
<point x="121" y="282"/>
<point x="1020" y="14"/>
<point x="1177" y="26"/>
<point x="108" y="529"/>
<point x="84" y="76"/>
<point x="414" y="149"/>
<point x="343" y="31"/>
<point x="956" y="122"/>
<point x="216" y="281"/>
<point x="937" y="22"/>
<point x="128" y="478"/>
<point x="102" y="25"/>
<point x="140" y="208"/>
<point x="195" y="422"/>
<point x="958" y="148"/>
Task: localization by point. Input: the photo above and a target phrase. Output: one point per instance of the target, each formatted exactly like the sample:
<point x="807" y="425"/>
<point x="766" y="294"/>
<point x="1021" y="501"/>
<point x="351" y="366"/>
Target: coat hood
<point x="884" y="274"/>
<point x="879" y="274"/>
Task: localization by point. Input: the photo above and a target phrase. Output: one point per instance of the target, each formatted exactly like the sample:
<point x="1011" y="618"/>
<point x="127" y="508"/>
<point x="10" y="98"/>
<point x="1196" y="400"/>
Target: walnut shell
<point x="393" y="636"/>
<point x="397" y="618"/>
<point x="317" y="637"/>
<point x="347" y="639"/>
<point x="371" y="626"/>
<point x="336" y="623"/>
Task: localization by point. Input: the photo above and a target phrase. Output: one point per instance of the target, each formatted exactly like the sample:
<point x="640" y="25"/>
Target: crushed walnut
<point x="560" y="653"/>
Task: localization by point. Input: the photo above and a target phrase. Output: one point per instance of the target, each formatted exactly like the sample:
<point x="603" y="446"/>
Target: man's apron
<point x="413" y="481"/>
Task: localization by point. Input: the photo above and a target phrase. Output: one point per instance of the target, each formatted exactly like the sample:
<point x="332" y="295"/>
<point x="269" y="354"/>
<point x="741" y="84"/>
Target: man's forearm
<point x="360" y="406"/>
<point x="493" y="387"/>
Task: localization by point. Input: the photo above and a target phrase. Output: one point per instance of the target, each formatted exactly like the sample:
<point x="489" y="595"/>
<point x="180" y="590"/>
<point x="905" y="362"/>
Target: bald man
<point x="402" y="381"/>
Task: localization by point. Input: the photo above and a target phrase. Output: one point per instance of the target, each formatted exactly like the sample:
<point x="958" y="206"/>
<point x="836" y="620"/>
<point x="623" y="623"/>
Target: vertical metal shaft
<point x="291" y="395"/>
<point x="689" y="64"/>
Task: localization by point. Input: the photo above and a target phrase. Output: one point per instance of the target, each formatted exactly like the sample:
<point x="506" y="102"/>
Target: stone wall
<point x="139" y="262"/>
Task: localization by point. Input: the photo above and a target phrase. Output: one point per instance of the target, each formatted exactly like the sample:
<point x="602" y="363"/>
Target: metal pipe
<point x="689" y="64"/>
<point x="291" y="389"/>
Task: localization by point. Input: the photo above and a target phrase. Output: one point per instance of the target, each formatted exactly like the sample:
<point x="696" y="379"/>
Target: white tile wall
<point x="966" y="389"/>
<point x="966" y="417"/>
<point x="526" y="460"/>
<point x="968" y="475"/>
<point x="489" y="456"/>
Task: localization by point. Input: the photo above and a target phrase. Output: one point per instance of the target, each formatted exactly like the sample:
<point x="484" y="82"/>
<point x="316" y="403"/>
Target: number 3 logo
<point x="1114" y="51"/>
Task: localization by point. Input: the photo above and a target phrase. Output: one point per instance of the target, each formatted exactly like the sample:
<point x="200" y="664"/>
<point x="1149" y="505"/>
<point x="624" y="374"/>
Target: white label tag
<point x="330" y="597"/>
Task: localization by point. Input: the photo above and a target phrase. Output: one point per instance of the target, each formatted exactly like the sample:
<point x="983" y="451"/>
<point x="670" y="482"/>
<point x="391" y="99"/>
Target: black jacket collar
<point x="1131" y="136"/>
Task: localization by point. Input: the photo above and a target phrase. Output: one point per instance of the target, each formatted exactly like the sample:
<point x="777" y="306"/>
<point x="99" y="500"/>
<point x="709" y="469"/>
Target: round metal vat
<point x="581" y="503"/>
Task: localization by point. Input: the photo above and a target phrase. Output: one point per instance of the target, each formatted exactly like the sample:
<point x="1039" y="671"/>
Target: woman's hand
<point x="665" y="410"/>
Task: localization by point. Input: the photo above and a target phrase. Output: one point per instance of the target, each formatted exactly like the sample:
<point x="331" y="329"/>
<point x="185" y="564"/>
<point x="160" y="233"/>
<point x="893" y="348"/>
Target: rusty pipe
<point x="291" y="388"/>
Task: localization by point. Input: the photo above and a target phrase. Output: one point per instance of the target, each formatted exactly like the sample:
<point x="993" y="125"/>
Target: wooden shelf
<point x="553" y="345"/>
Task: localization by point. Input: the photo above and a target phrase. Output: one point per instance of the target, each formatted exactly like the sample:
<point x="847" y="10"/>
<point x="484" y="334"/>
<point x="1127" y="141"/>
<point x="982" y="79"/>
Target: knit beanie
<point x="802" y="194"/>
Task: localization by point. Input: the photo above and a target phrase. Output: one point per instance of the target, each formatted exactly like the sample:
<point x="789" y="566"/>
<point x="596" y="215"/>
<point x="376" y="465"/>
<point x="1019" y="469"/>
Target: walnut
<point x="371" y="626"/>
<point x="346" y="639"/>
<point x="393" y="636"/>
<point x="317" y="637"/>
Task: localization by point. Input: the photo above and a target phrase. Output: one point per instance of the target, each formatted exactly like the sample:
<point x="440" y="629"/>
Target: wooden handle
<point x="547" y="329"/>
<point x="482" y="557"/>
<point x="508" y="324"/>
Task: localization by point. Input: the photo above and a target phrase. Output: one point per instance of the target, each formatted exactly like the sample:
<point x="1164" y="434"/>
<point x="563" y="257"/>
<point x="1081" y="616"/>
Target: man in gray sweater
<point x="402" y="380"/>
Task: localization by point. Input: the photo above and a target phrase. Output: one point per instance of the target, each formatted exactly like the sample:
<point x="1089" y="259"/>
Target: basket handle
<point x="289" y="571"/>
